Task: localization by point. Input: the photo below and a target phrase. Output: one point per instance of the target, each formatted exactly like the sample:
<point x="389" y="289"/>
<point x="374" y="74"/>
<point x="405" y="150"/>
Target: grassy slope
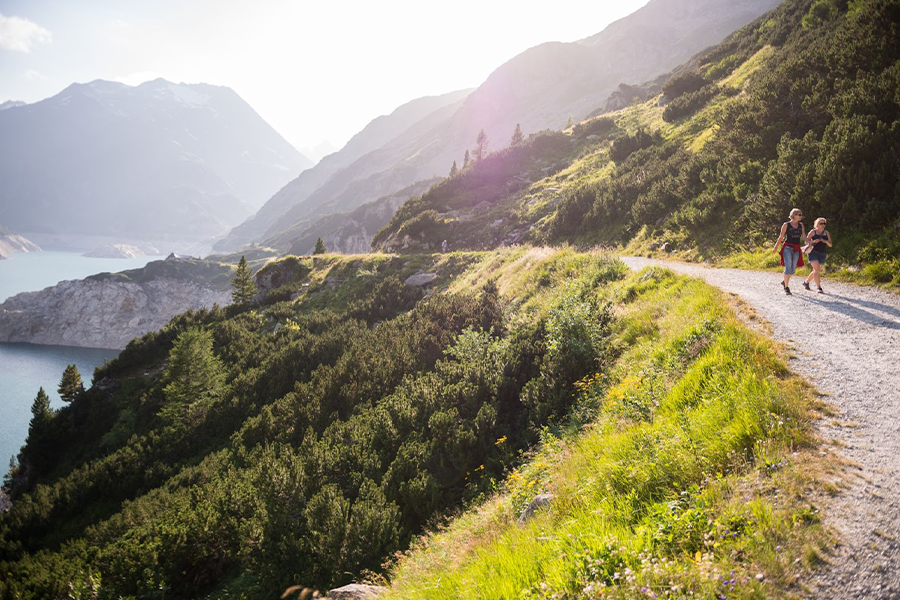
<point x="697" y="474"/>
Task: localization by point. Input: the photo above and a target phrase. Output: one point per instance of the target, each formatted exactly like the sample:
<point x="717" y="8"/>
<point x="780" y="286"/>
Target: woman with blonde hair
<point x="817" y="240"/>
<point x="792" y="233"/>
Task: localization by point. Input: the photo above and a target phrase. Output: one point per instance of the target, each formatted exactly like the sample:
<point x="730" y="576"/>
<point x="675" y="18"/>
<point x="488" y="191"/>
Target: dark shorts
<point x="818" y="257"/>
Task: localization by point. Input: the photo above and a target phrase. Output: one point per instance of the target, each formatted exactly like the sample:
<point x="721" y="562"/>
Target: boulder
<point x="420" y="279"/>
<point x="355" y="591"/>
<point x="540" y="501"/>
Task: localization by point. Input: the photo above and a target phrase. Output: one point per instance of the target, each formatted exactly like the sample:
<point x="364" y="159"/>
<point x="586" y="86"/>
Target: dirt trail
<point x="847" y="343"/>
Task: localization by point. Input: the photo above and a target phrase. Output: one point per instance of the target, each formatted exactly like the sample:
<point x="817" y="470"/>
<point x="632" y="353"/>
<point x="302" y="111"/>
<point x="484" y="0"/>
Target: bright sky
<point x="315" y="70"/>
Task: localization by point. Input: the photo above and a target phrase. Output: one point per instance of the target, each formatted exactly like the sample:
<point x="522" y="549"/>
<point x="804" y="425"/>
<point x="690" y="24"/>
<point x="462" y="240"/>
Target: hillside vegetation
<point x="800" y="108"/>
<point x="238" y="451"/>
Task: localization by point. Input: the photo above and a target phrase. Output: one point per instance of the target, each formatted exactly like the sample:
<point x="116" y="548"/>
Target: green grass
<point x="740" y="75"/>
<point x="691" y="476"/>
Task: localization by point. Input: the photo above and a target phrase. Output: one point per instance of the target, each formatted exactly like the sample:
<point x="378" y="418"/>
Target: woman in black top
<point x="819" y="240"/>
<point x="792" y="232"/>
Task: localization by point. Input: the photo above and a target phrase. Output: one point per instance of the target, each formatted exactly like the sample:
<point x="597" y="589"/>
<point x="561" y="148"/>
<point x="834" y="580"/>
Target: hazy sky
<point x="314" y="70"/>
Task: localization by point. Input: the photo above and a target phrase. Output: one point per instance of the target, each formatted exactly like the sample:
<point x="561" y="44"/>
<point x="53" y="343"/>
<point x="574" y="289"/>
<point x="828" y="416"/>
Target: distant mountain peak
<point x="148" y="161"/>
<point x="12" y="104"/>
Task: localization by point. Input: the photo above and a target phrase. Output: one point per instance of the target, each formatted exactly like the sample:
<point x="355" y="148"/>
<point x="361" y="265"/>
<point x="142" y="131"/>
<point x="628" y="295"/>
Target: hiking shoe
<point x="787" y="291"/>
<point x="806" y="285"/>
<point x="821" y="291"/>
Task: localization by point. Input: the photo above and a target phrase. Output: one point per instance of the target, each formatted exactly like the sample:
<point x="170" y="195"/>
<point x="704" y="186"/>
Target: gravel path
<point x="847" y="343"/>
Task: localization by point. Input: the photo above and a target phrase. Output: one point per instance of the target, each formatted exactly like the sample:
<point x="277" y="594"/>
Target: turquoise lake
<point x="26" y="367"/>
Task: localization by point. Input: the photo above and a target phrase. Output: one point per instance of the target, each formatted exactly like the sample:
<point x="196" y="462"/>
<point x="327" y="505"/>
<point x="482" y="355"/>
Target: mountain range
<point x="159" y="161"/>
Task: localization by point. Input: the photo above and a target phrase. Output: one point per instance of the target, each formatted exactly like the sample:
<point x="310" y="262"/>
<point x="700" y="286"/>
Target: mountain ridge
<point x="378" y="132"/>
<point x="532" y="91"/>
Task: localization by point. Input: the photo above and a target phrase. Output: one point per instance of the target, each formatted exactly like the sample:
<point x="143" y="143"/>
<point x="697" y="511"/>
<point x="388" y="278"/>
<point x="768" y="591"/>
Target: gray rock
<point x="420" y="279"/>
<point x="356" y="591"/>
<point x="100" y="313"/>
<point x="539" y="502"/>
<point x="115" y="251"/>
<point x="11" y="243"/>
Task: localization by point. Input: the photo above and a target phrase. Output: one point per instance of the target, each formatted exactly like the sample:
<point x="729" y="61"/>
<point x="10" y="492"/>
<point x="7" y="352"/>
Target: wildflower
<point x="500" y="440"/>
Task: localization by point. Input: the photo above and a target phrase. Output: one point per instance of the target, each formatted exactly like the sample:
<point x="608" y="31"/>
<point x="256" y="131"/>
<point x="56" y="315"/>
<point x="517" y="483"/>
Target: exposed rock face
<point x="350" y="233"/>
<point x="375" y="135"/>
<point x="115" y="251"/>
<point x="100" y="314"/>
<point x="624" y="96"/>
<point x="11" y="243"/>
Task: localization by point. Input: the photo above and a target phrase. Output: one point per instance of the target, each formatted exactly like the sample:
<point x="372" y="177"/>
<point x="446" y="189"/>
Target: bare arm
<point x="828" y="239"/>
<point x="780" y="237"/>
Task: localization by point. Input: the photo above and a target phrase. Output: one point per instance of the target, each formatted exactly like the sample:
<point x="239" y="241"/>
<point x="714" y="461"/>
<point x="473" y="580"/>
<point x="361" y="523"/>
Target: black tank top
<point x="793" y="235"/>
<point x="820" y="246"/>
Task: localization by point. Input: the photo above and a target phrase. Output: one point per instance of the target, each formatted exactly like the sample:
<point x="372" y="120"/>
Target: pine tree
<point x="569" y="122"/>
<point x="195" y="375"/>
<point x="41" y="413"/>
<point x="320" y="247"/>
<point x="517" y="137"/>
<point x="466" y="160"/>
<point x="71" y="386"/>
<point x="454" y="169"/>
<point x="481" y="145"/>
<point x="243" y="284"/>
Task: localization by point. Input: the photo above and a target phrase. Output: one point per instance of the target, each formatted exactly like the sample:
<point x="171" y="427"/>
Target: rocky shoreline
<point x="106" y="313"/>
<point x="11" y="243"/>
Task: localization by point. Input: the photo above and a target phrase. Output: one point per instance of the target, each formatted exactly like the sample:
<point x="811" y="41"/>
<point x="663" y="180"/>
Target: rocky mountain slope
<point x="109" y="310"/>
<point x="540" y="88"/>
<point x="275" y="215"/>
<point x="349" y="233"/>
<point x="156" y="161"/>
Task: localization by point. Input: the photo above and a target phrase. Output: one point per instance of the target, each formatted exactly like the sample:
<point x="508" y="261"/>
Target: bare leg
<point x="817" y="273"/>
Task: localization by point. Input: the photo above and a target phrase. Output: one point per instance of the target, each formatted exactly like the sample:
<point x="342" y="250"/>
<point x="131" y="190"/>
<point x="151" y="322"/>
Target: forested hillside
<point x="295" y="442"/>
<point x="800" y="108"/>
<point x="305" y="440"/>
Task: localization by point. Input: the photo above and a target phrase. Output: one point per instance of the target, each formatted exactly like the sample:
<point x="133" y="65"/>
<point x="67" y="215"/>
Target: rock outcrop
<point x="11" y="243"/>
<point x="100" y="313"/>
<point x="356" y="591"/>
<point x="115" y="251"/>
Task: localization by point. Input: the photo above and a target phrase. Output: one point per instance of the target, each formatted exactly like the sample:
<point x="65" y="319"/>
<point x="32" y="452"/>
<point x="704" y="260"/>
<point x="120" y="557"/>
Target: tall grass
<point x="691" y="475"/>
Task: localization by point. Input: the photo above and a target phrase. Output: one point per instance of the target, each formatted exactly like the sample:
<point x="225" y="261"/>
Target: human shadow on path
<point x="845" y="308"/>
<point x="885" y="308"/>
